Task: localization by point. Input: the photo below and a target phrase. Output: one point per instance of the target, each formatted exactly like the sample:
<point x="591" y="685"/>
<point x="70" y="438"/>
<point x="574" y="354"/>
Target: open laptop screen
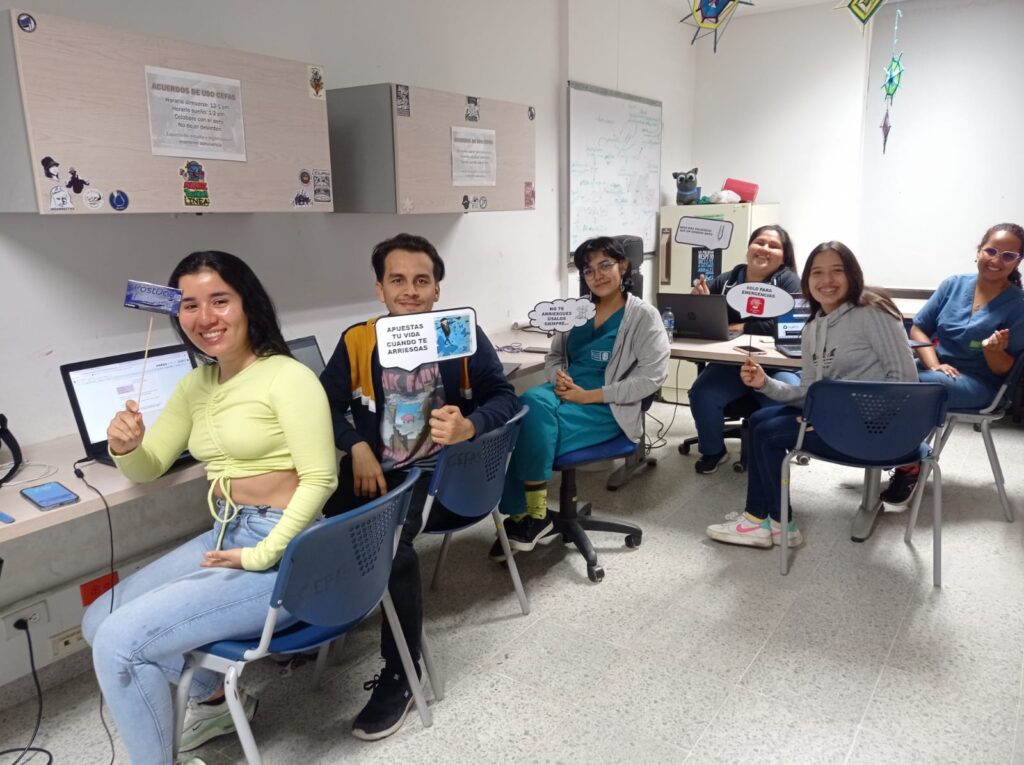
<point x="307" y="350"/>
<point x="98" y="389"/>
<point x="789" y="326"/>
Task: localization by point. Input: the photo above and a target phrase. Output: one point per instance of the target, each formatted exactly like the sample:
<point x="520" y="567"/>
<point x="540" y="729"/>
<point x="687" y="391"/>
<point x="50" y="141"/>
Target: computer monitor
<point x="307" y="350"/>
<point x="98" y="389"/>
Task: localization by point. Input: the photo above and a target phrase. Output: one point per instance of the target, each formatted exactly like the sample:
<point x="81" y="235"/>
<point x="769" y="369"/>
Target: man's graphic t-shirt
<point x="409" y="398"/>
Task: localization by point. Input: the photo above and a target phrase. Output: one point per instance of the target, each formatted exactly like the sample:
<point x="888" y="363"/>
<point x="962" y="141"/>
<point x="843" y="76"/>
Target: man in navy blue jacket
<point x="401" y="420"/>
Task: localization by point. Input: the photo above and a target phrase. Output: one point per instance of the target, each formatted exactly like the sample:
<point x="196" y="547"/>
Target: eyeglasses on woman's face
<point x="603" y="268"/>
<point x="1007" y="256"/>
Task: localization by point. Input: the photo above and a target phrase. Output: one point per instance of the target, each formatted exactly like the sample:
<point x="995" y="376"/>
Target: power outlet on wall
<point x="36" y="615"/>
<point x="67" y="642"/>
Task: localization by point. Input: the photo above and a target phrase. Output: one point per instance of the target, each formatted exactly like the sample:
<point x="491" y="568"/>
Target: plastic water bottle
<point x="670" y="323"/>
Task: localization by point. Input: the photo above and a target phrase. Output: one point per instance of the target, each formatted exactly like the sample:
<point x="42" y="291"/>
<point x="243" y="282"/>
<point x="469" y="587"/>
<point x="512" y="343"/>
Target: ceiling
<point x="760" y="6"/>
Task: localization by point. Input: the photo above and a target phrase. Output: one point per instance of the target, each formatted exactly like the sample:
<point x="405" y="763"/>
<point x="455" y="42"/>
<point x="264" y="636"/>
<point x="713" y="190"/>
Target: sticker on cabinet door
<point x="26" y="22"/>
<point x="402" y="103"/>
<point x="118" y="200"/>
<point x="321" y="186"/>
<point x="194" y="188"/>
<point x="93" y="199"/>
<point x="60" y="200"/>
<point x="50" y="166"/>
<point x="301" y="199"/>
<point x="75" y="182"/>
<point x="472" y="109"/>
<point x="529" y="195"/>
<point x="317" y="89"/>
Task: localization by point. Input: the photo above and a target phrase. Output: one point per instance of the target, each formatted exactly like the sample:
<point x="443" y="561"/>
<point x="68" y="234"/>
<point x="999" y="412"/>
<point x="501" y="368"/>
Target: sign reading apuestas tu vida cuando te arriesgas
<point x="407" y="342"/>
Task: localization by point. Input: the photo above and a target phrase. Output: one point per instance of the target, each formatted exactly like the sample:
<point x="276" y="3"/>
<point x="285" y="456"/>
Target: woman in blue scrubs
<point x="598" y="374"/>
<point x="978" y="321"/>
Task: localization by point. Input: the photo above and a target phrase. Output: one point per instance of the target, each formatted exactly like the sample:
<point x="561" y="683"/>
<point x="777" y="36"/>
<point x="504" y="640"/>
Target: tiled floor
<point x="689" y="651"/>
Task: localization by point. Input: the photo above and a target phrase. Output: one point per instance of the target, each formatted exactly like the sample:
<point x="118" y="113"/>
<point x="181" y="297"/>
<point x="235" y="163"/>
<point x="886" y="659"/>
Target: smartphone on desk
<point x="748" y="349"/>
<point x="47" y="496"/>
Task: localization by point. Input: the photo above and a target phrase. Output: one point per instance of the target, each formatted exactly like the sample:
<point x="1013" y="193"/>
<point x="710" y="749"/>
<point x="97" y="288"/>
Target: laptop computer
<point x="307" y="350"/>
<point x="790" y="326"/>
<point x="98" y="389"/>
<point x="698" y="317"/>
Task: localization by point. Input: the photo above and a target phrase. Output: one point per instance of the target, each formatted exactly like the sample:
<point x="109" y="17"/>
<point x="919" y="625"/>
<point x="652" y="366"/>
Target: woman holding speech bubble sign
<point x="598" y="374"/>
<point x="770" y="260"/>
<point x="259" y="419"/>
<point x="854" y="333"/>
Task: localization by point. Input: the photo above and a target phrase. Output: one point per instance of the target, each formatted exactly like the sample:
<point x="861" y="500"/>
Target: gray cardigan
<point x="637" y="368"/>
<point x="864" y="343"/>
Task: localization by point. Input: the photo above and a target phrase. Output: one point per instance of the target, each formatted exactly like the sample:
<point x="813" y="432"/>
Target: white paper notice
<point x="474" y="157"/>
<point x="704" y="232"/>
<point x="195" y="115"/>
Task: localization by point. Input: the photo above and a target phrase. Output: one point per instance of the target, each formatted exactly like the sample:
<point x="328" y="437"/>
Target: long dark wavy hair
<point x="1015" y="230"/>
<point x="856" y="292"/>
<point x="264" y="330"/>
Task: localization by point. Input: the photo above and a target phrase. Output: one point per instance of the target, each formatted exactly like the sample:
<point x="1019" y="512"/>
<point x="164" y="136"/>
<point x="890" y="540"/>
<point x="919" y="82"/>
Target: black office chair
<point x="737" y="413"/>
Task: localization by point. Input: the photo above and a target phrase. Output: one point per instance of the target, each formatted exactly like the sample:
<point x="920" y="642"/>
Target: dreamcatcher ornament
<point x="862" y="10"/>
<point x="892" y="81"/>
<point x="711" y="17"/>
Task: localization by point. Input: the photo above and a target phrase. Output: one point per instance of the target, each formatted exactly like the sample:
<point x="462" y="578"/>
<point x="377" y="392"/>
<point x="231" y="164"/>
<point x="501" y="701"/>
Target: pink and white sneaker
<point x="744" y="530"/>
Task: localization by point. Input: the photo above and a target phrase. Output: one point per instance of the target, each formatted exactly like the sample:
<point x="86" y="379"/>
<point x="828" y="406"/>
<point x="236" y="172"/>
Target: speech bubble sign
<point x="407" y="342"/>
<point x="704" y="232"/>
<point x="562" y="315"/>
<point x="764" y="301"/>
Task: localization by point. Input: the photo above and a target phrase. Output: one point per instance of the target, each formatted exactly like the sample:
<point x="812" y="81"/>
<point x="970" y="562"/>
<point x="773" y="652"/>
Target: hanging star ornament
<point x="710" y="17"/>
<point x="863" y="10"/>
<point x="886" y="127"/>
<point x="893" y="77"/>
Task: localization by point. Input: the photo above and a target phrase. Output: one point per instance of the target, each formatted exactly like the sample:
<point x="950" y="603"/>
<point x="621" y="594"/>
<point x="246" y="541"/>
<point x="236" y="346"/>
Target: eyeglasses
<point x="1006" y="255"/>
<point x="604" y="267"/>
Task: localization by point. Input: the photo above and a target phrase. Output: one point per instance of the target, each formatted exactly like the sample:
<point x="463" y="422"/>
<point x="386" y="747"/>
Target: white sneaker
<point x="746" y="531"/>
<point x="795" y="537"/>
<point x="206" y="721"/>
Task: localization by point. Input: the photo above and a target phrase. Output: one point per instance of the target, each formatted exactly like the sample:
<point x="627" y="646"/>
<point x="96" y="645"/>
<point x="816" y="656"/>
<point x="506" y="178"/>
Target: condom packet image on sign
<point x="152" y="297"/>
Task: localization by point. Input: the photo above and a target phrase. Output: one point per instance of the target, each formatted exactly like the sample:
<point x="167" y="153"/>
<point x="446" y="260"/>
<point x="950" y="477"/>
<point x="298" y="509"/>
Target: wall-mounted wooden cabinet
<point x="98" y="120"/>
<point x="403" y="149"/>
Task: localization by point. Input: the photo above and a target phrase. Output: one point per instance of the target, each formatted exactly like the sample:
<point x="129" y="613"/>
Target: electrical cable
<point x="510" y="348"/>
<point x="80" y="474"/>
<point x="22" y="624"/>
<point x="48" y="471"/>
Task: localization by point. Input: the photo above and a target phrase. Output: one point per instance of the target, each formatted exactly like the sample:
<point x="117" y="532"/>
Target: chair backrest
<point x="470" y="475"/>
<point x="873" y="420"/>
<point x="337" y="570"/>
<point x="1004" y="395"/>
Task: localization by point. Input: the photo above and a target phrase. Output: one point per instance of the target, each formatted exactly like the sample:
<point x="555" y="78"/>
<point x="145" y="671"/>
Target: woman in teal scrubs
<point x="598" y="374"/>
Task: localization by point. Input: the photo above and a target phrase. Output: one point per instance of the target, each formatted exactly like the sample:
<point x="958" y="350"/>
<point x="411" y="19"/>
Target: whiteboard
<point x="614" y="165"/>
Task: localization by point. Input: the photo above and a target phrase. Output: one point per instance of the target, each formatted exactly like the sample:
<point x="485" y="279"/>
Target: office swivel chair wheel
<point x="595" y="573"/>
<point x="684" y="448"/>
<point x="739" y="467"/>
<point x="633" y="540"/>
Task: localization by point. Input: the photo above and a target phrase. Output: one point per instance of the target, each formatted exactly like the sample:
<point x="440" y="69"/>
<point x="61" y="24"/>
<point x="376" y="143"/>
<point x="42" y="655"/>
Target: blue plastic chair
<point x="982" y="420"/>
<point x="875" y="426"/>
<point x="331" y="577"/>
<point x="468" y="481"/>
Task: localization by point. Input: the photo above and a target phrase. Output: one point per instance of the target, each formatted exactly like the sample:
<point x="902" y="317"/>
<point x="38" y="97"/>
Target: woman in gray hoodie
<point x="855" y="333"/>
<point x="597" y="374"/>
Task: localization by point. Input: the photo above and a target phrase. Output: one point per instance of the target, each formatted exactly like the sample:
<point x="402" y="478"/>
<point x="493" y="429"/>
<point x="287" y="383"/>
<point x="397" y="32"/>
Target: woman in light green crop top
<point x="260" y="422"/>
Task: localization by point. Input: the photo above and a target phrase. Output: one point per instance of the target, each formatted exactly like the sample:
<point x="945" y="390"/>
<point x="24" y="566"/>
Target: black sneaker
<point x="900" y="488"/>
<point x="523" y="535"/>
<point x="707" y="465"/>
<point x="389" y="703"/>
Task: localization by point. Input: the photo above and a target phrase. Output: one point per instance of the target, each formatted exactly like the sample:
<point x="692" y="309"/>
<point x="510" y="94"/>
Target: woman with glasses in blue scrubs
<point x="977" y="324"/>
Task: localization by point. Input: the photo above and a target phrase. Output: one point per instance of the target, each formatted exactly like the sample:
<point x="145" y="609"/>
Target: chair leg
<point x="784" y="516"/>
<point x="434" y="673"/>
<point x="181" y="700"/>
<point x="634" y="463"/>
<point x="997" y="470"/>
<point x="513" y="569"/>
<point x="937" y="526"/>
<point x="407" y="664"/>
<point x="321" y="664"/>
<point x="440" y="561"/>
<point x="245" y="737"/>
<point x="915" y="504"/>
<point x="870" y="504"/>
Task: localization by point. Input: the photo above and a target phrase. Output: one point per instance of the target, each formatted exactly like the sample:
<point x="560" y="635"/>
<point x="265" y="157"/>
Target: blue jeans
<point x="964" y="392"/>
<point x="773" y="433"/>
<point x="717" y="386"/>
<point x="165" y="610"/>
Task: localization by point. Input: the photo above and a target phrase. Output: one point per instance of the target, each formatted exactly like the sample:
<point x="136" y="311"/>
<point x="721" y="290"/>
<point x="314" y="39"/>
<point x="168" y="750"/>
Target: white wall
<point x="793" y="101"/>
<point x="780" y="105"/>
<point x="63" y="279"/>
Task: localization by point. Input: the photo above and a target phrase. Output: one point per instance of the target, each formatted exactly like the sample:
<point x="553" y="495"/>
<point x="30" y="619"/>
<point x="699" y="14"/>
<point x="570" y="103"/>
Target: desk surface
<point x="62" y="453"/>
<point x="724" y="351"/>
